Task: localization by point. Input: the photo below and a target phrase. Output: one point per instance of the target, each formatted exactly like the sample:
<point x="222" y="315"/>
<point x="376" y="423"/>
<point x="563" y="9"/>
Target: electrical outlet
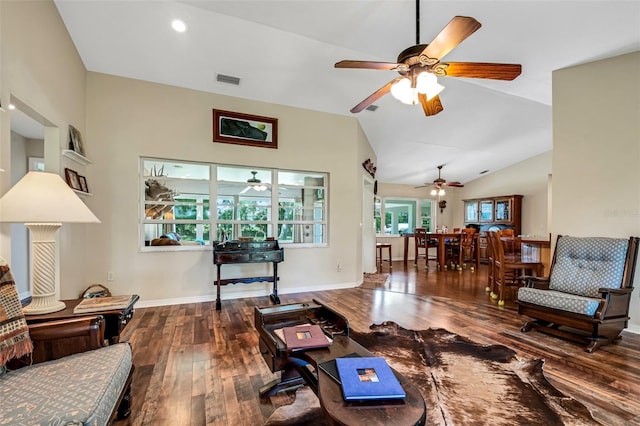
<point x="110" y="276"/>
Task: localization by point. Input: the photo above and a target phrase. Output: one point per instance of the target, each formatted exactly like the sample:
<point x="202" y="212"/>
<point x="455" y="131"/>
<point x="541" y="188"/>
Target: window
<point x="176" y="203"/>
<point x="256" y="203"/>
<point x="395" y="216"/>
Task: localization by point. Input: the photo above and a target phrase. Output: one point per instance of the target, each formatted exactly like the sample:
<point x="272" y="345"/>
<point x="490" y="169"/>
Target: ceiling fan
<point x="254" y="183"/>
<point x="419" y="65"/>
<point x="439" y="184"/>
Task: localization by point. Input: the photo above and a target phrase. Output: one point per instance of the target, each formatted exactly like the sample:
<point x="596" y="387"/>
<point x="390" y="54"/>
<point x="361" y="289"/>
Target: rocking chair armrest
<point x="541" y="283"/>
<point x="625" y="290"/>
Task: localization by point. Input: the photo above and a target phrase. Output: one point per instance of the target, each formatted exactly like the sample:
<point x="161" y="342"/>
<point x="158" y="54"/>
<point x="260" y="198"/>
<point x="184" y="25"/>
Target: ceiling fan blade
<point x="432" y="106"/>
<point x="421" y="186"/>
<point x="454" y="184"/>
<point x="456" y="31"/>
<point x="481" y="70"/>
<point x="374" y="96"/>
<point x="368" y="65"/>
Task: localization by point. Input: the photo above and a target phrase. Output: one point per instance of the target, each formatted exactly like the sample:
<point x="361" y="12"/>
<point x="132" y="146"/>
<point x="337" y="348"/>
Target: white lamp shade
<point x="41" y="197"/>
<point x="427" y="83"/>
<point x="402" y="91"/>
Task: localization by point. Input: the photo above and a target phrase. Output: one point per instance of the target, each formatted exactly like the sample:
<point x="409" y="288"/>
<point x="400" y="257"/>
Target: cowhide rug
<point x="463" y="383"/>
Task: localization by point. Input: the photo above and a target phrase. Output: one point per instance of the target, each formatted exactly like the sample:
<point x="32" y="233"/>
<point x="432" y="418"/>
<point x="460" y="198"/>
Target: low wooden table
<point x="115" y="320"/>
<point x="412" y="411"/>
<point x="300" y="367"/>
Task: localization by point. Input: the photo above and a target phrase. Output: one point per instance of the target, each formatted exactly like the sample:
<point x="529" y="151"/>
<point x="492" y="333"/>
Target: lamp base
<point x="40" y="306"/>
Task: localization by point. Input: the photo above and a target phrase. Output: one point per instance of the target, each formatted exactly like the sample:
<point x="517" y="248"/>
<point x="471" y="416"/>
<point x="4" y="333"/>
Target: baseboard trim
<point x="236" y="295"/>
<point x="633" y="328"/>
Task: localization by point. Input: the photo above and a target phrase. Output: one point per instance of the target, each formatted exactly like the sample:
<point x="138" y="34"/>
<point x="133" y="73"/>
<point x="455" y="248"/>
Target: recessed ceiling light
<point x="12" y="106"/>
<point x="179" y="25"/>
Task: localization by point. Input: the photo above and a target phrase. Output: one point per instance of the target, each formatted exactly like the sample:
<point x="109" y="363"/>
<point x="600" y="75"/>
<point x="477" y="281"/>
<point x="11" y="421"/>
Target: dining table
<point x="441" y="237"/>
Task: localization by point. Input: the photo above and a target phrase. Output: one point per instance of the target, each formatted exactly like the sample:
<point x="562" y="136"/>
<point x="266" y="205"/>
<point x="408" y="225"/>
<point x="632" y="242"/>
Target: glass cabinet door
<point x="471" y="211"/>
<point x="503" y="210"/>
<point x="486" y="211"/>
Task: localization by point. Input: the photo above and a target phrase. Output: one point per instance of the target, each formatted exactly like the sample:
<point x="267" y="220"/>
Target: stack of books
<point x="304" y="336"/>
<point x="101" y="304"/>
<point x="367" y="379"/>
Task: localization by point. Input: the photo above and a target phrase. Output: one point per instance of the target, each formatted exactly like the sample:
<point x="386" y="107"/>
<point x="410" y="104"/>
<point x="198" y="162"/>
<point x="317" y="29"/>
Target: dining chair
<point x="467" y="248"/>
<point x="461" y="249"/>
<point x="510" y="242"/>
<point x="423" y="242"/>
<point x="491" y="289"/>
<point x="507" y="269"/>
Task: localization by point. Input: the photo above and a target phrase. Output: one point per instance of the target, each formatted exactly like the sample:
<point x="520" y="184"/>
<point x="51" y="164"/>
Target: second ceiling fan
<point x="439" y="184"/>
<point x="419" y="65"/>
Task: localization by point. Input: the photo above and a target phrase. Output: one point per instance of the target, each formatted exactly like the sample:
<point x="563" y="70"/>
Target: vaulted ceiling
<point x="284" y="52"/>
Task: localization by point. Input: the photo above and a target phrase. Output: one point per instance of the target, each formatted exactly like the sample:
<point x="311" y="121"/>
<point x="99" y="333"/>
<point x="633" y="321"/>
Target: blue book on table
<point x="368" y="378"/>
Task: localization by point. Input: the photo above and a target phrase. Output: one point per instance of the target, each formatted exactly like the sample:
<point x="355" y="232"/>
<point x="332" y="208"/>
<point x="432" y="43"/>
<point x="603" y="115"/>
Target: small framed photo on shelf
<point x="75" y="140"/>
<point x="83" y="183"/>
<point x="73" y="180"/>
<point x="244" y="129"/>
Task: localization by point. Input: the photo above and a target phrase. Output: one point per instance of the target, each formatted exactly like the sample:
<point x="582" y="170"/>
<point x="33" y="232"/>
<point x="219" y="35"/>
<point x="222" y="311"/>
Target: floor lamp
<point x="43" y="202"/>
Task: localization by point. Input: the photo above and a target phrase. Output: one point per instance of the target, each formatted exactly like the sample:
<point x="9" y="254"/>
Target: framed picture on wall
<point x="244" y="129"/>
<point x="75" y="140"/>
<point x="83" y="183"/>
<point x="73" y="180"/>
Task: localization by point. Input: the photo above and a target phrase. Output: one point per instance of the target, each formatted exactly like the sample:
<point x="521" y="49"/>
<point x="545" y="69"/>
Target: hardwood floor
<point x="196" y="366"/>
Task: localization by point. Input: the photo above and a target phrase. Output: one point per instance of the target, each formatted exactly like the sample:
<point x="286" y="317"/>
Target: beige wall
<point x="41" y="72"/>
<point x="127" y="119"/>
<point x="596" y="155"/>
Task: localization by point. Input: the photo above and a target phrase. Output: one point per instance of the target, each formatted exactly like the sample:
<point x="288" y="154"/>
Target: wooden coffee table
<point x="301" y="367"/>
<point x="411" y="411"/>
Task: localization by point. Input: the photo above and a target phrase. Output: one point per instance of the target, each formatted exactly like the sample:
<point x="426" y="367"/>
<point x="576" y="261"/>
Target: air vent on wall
<point x="228" y="79"/>
<point x="372" y="107"/>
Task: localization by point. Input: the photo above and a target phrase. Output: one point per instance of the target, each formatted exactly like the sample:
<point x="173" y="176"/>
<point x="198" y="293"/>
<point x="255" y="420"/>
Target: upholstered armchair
<point x="587" y="294"/>
<point x="71" y="378"/>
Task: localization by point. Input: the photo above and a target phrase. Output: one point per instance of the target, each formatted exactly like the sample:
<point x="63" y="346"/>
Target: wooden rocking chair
<point x="586" y="297"/>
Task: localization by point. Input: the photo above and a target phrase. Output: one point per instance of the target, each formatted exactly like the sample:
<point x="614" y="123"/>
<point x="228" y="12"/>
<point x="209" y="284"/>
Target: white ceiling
<point x="284" y="52"/>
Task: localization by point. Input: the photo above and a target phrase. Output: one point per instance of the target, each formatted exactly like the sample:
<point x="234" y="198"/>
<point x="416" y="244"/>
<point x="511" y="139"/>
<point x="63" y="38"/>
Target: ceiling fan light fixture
<point x="438" y="190"/>
<point x="258" y="185"/>
<point x="427" y="83"/>
<point x="402" y="91"/>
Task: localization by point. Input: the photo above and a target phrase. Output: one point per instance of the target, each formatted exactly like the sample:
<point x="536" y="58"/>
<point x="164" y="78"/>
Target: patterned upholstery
<point x="80" y="389"/>
<point x="559" y="300"/>
<point x="583" y="265"/>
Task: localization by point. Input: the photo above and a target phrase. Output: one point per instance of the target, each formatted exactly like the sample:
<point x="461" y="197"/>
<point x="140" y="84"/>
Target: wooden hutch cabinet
<point x="487" y="213"/>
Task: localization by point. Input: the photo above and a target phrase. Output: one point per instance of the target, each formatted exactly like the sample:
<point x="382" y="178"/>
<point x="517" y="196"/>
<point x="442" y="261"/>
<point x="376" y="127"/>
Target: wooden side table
<point x="115" y="320"/>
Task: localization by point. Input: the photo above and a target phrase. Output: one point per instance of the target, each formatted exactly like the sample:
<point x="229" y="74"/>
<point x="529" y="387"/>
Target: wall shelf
<point x="82" y="193"/>
<point x="78" y="158"/>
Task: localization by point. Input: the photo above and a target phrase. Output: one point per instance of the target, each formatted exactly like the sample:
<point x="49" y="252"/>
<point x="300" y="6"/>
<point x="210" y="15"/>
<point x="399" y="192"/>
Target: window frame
<point x="273" y="221"/>
<point x="380" y="214"/>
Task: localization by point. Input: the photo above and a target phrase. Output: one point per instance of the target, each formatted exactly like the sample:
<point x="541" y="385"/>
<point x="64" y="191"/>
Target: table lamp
<point x="43" y="202"/>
